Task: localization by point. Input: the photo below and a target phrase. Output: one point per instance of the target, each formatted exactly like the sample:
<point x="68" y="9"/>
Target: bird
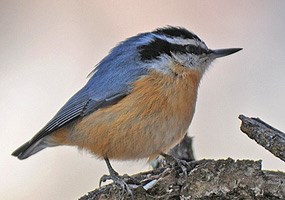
<point x="138" y="102"/>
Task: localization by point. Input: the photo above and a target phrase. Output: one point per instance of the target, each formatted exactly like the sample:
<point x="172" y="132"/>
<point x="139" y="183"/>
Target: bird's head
<point x="159" y="50"/>
<point x="163" y="46"/>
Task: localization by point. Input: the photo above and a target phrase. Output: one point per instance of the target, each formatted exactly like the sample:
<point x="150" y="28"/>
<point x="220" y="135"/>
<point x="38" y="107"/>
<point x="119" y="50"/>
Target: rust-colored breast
<point x="150" y="120"/>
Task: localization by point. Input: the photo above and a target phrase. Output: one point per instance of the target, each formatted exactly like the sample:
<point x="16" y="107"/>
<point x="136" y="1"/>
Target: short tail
<point x="30" y="148"/>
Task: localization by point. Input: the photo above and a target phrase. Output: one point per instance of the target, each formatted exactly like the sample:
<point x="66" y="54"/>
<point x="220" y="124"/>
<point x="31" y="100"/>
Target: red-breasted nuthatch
<point x="139" y="101"/>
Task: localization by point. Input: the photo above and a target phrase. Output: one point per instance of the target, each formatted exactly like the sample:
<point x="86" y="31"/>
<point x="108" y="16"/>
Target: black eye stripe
<point x="196" y="50"/>
<point x="158" y="47"/>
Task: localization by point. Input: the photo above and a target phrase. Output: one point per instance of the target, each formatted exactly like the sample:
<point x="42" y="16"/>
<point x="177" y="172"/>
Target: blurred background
<point x="47" y="48"/>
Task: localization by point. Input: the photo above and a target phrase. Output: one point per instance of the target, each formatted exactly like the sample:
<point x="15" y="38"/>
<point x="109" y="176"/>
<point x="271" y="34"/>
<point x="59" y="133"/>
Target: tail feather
<point x="30" y="148"/>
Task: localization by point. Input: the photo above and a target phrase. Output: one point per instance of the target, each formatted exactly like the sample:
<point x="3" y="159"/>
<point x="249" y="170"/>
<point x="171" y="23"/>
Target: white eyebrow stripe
<point x="182" y="41"/>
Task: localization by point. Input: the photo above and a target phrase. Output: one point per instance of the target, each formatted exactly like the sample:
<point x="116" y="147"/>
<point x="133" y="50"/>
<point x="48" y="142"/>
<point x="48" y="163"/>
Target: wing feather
<point x="110" y="82"/>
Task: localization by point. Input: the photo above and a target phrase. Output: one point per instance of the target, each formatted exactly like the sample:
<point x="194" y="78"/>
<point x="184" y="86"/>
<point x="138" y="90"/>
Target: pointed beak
<point x="223" y="52"/>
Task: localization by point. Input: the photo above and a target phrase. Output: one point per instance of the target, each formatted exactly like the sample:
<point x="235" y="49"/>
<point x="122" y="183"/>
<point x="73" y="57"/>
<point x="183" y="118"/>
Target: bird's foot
<point x="122" y="182"/>
<point x="182" y="165"/>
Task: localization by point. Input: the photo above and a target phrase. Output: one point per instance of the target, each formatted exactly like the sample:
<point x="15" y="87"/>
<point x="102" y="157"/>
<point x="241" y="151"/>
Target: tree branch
<point x="265" y="135"/>
<point x="206" y="179"/>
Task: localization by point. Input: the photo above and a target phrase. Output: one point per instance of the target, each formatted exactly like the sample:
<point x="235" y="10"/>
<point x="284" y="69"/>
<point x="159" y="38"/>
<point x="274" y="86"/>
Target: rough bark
<point x="265" y="135"/>
<point x="206" y="179"/>
<point x="209" y="179"/>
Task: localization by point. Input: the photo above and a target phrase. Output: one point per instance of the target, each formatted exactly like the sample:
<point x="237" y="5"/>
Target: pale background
<point x="47" y="48"/>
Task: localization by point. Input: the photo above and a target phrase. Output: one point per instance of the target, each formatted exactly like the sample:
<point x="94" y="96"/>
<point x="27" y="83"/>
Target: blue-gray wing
<point x="106" y="87"/>
<point x="96" y="94"/>
<point x="111" y="81"/>
<point x="79" y="105"/>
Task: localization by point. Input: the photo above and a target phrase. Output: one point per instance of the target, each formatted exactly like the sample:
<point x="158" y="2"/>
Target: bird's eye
<point x="195" y="49"/>
<point x="189" y="48"/>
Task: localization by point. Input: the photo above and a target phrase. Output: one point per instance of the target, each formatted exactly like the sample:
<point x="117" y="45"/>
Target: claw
<point x="175" y="162"/>
<point x="104" y="178"/>
<point x="120" y="181"/>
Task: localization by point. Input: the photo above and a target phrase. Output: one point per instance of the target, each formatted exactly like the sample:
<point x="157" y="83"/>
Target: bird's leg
<point x="120" y="181"/>
<point x="112" y="172"/>
<point x="175" y="162"/>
